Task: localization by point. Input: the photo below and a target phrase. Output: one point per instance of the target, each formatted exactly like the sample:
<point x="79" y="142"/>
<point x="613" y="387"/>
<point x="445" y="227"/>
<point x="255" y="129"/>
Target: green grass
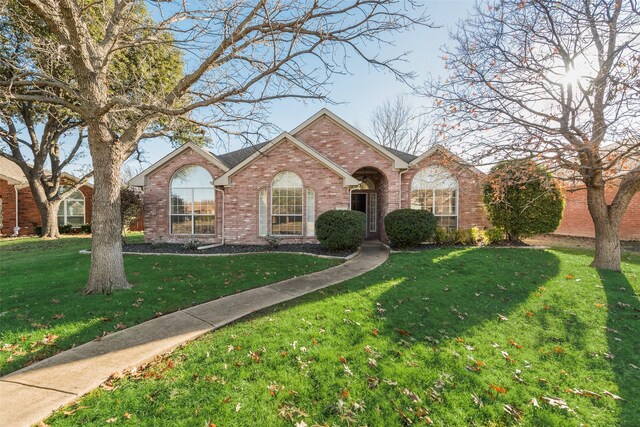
<point x="415" y="338"/>
<point x="43" y="311"/>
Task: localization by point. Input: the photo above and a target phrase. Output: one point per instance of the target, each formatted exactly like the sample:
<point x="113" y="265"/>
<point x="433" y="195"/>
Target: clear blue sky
<point x="365" y="88"/>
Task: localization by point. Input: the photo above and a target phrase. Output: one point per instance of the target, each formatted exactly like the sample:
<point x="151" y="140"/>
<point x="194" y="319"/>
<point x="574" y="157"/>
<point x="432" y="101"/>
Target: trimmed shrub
<point x="341" y="230"/>
<point x="441" y="236"/>
<point x="37" y="230"/>
<point x="494" y="235"/>
<point x="409" y="227"/>
<point x="65" y="229"/>
<point x="85" y="228"/>
<point x="523" y="199"/>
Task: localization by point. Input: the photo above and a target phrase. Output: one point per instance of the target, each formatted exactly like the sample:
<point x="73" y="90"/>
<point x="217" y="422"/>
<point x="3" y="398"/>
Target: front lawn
<point x="451" y="336"/>
<point x="43" y="311"/>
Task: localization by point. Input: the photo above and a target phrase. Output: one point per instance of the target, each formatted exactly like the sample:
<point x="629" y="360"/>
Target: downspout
<point x="16" y="229"/>
<point x="222" y="191"/>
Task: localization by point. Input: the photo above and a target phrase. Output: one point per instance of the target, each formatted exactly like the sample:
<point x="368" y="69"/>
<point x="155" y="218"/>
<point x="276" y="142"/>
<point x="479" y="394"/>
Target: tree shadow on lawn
<point x="623" y="337"/>
<point x="383" y="312"/>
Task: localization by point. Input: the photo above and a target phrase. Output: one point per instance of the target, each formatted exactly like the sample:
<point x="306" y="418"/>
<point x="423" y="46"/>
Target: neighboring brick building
<point x="576" y="220"/>
<point x="18" y="209"/>
<point x="280" y="187"/>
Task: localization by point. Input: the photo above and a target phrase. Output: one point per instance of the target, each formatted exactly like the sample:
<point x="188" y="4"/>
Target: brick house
<point x="18" y="209"/>
<point x="279" y="188"/>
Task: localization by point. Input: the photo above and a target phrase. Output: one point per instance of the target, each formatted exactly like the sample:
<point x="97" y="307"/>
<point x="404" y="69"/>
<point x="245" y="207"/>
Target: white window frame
<point x="192" y="214"/>
<point x="310" y="214"/>
<point x="301" y="215"/>
<point x="63" y="204"/>
<point x="263" y="209"/>
<point x="433" y="195"/>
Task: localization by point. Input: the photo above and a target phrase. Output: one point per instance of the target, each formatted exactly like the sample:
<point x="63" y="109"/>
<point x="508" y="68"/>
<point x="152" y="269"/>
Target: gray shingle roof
<point x="234" y="158"/>
<point x="404" y="156"/>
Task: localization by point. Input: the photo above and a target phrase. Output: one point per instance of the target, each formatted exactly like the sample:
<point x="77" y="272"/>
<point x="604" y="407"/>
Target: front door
<point x="368" y="204"/>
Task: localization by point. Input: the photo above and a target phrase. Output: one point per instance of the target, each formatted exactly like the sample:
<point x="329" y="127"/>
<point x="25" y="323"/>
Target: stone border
<point x="344" y="258"/>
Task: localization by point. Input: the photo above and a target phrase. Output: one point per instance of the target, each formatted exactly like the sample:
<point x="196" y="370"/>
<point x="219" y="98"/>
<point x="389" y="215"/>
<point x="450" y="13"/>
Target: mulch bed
<point x="429" y="246"/>
<point x="177" y="248"/>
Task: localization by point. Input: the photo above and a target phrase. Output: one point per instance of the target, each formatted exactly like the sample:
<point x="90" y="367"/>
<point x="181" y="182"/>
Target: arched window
<point x="71" y="210"/>
<point x="193" y="204"/>
<point x="286" y="205"/>
<point x="436" y="190"/>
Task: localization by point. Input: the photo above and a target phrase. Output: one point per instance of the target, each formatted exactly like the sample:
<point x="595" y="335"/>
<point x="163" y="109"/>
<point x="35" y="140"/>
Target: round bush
<point x="341" y="230"/>
<point x="523" y="199"/>
<point x="409" y="227"/>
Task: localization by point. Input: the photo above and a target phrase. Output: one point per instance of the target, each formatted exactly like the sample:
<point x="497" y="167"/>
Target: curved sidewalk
<point x="33" y="393"/>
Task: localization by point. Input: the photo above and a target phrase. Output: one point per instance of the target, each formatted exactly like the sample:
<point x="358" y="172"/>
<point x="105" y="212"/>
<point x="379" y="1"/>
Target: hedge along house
<point x="279" y="188"/>
<point x="18" y="210"/>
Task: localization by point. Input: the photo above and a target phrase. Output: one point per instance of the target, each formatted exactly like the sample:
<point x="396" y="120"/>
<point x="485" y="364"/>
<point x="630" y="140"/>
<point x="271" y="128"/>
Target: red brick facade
<point x="336" y="145"/>
<point x="576" y="220"/>
<point x="157" y="199"/>
<point x="28" y="213"/>
<point x="471" y="212"/>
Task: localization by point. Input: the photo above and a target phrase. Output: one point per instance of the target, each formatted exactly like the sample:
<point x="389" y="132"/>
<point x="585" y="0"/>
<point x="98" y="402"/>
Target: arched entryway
<point x="370" y="197"/>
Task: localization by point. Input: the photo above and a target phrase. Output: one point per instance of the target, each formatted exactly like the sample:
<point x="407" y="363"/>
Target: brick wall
<point x="8" y="194"/>
<point x="346" y="150"/>
<point x="241" y="198"/>
<point x="471" y="212"/>
<point x="576" y="220"/>
<point x="156" y="201"/>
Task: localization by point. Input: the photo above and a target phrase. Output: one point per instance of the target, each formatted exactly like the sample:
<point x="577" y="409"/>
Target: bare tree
<point x="238" y="56"/>
<point x="556" y="82"/>
<point x="397" y="124"/>
<point x="36" y="136"/>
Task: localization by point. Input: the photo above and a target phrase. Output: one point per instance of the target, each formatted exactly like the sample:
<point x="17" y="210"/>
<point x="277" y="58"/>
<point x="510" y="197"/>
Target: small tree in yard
<point x="131" y="204"/>
<point x="523" y="199"/>
<point x="238" y="56"/>
<point x="555" y="82"/>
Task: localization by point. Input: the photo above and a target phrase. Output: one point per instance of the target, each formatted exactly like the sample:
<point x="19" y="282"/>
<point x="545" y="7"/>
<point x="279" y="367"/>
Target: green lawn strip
<point x="414" y="340"/>
<point x="43" y="311"/>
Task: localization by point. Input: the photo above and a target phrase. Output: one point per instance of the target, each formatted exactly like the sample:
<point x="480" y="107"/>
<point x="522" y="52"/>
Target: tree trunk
<point x="606" y="228"/>
<point x="49" y="218"/>
<point x="48" y="209"/>
<point x="107" y="265"/>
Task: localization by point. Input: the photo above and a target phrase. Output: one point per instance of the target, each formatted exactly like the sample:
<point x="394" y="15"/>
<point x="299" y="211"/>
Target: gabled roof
<point x="138" y="180"/>
<point x="348" y="180"/>
<point x="11" y="172"/>
<point x="437" y="147"/>
<point x="398" y="162"/>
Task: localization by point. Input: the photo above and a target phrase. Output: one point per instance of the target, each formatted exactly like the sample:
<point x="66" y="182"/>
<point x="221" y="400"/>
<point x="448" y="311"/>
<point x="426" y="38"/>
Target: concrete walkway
<point x="33" y="393"/>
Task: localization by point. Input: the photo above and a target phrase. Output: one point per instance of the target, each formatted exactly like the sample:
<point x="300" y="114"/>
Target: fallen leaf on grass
<point x="534" y="402"/>
<point x="498" y="388"/>
<point x="73" y="411"/>
<point x="111" y="420"/>
<point x="342" y="360"/>
<point x="502" y="317"/>
<point x="477" y="400"/>
<point x="556" y="401"/>
<point x="120" y="326"/>
<point x="127" y="415"/>
<point x="611" y="395"/>
<point x="515" y="344"/>
<point x="411" y="395"/>
<point x="403" y="332"/>
<point x="375" y="332"/>
<point x="58" y="316"/>
<point x="55" y="301"/>
<point x="514" y="411"/>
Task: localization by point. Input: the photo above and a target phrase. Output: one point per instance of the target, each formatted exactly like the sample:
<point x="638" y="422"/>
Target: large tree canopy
<point x="238" y="56"/>
<point x="37" y="135"/>
<point x="557" y="82"/>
